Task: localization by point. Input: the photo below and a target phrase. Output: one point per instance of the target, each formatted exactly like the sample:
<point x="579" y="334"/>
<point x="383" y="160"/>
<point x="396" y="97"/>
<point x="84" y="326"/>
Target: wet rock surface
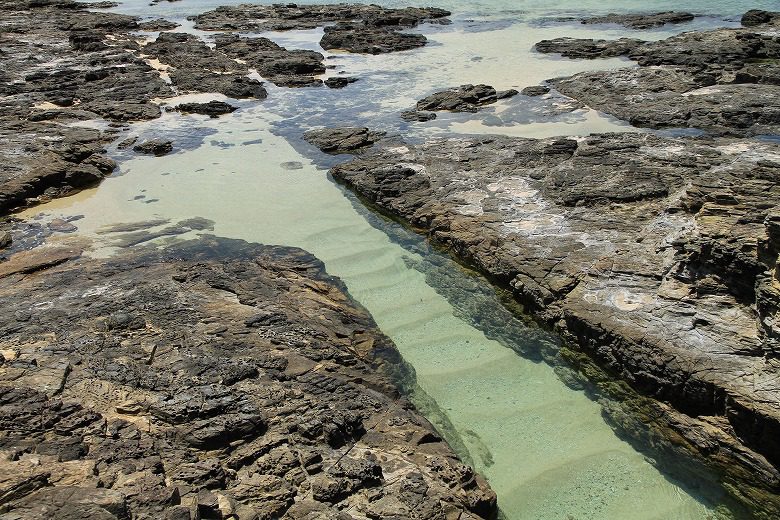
<point x="365" y="29"/>
<point x="156" y="147"/>
<point x="211" y="108"/>
<point x="587" y="48"/>
<point x="642" y="21"/>
<point x="656" y="256"/>
<point x="58" y="67"/>
<point x="239" y="383"/>
<point x="723" y="81"/>
<point x="342" y="140"/>
<point x="466" y="98"/>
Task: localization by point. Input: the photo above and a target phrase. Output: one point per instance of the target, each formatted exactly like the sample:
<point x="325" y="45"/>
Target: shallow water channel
<point x="544" y="446"/>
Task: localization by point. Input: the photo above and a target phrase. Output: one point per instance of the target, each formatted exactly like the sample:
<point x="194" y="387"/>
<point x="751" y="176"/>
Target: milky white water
<point x="544" y="447"/>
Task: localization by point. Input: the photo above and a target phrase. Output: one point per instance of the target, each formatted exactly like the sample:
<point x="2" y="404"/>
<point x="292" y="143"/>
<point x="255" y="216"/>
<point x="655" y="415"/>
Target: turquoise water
<point x="544" y="446"/>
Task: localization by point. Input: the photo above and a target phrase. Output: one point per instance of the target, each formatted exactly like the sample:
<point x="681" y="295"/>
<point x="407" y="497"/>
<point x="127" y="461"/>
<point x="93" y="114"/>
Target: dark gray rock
<point x="339" y="81"/>
<point x="466" y="98"/>
<point x="156" y="147"/>
<point x="362" y="39"/>
<point x="757" y="17"/>
<point x="342" y="140"/>
<point x="642" y="21"/>
<point x="589" y="49"/>
<point x="212" y="108"/>
<point x="535" y="90"/>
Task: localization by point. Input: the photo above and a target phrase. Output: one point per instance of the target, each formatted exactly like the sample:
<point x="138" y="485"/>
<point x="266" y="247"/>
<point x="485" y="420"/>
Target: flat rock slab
<point x="657" y="256"/>
<point x="242" y="382"/>
<point x="588" y="48"/>
<point x="642" y="21"/>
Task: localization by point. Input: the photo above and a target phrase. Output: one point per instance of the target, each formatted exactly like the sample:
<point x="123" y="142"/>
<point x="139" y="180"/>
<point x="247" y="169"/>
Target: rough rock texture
<point x="724" y="81"/>
<point x="466" y="98"/>
<point x="57" y="68"/>
<point x="756" y="17"/>
<point x="339" y="81"/>
<point x="535" y="90"/>
<point x="362" y="39"/>
<point x="284" y="17"/>
<point x="154" y="147"/>
<point x="589" y="49"/>
<point x="642" y="21"/>
<point x="366" y="29"/>
<point x="241" y="383"/>
<point x="212" y="108"/>
<point x="656" y="256"/>
<point x="291" y="68"/>
<point x="342" y="140"/>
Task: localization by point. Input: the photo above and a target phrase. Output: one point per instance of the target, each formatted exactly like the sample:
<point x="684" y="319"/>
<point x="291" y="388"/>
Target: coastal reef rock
<point x="156" y="147"/>
<point x="756" y="17"/>
<point x="240" y="383"/>
<point x="705" y="80"/>
<point x="642" y="21"/>
<point x="366" y="29"/>
<point x="466" y="98"/>
<point x="212" y="108"/>
<point x="59" y="67"/>
<point x="342" y="140"/>
<point x="657" y="257"/>
<point x="588" y="48"/>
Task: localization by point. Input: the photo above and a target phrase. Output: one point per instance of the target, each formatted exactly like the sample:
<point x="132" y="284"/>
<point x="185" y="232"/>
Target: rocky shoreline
<point x="214" y="378"/>
<point x="211" y="379"/>
<point x="656" y="256"/>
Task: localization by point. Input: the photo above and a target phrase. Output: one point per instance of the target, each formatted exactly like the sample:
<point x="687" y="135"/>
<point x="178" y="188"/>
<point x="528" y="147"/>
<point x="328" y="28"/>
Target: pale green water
<point x="545" y="448"/>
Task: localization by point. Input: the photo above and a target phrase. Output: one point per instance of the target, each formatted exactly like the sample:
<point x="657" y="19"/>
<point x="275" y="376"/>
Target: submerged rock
<point x="164" y="403"/>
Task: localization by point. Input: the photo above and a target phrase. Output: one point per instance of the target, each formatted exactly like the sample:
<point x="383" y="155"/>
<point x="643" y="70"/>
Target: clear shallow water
<point x="545" y="447"/>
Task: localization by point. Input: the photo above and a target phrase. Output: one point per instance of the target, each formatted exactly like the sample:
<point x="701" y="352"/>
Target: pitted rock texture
<point x="724" y="81"/>
<point x="656" y="256"/>
<point x="241" y="383"/>
<point x="59" y="68"/>
<point x="365" y="29"/>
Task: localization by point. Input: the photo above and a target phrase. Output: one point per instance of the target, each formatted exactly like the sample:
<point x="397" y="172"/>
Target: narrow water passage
<point x="544" y="447"/>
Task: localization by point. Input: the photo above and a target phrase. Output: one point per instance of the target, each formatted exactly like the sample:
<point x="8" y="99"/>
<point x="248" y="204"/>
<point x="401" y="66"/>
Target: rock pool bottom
<point x="544" y="447"/>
